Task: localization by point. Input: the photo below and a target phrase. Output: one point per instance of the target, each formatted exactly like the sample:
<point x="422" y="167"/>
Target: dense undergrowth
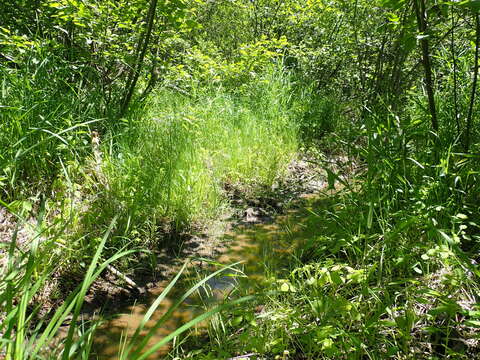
<point x="126" y="123"/>
<point x="179" y="161"/>
<point x="392" y="273"/>
<point x="169" y="168"/>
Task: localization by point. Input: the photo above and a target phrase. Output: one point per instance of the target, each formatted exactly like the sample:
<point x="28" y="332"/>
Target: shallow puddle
<point x="260" y="247"/>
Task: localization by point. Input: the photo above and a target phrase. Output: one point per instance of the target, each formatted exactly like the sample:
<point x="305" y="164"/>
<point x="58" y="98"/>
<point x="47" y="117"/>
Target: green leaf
<point x="473" y="323"/>
<point x="449" y="308"/>
<point x="237" y="320"/>
<point x="284" y="287"/>
<point x="370" y="215"/>
<point x="471" y="4"/>
<point x="331" y="177"/>
<point x="336" y="278"/>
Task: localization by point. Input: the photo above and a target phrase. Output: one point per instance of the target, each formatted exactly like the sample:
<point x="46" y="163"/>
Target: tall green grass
<point x="175" y="164"/>
<point x="27" y="335"/>
<point x="47" y="111"/>
<point x="392" y="270"/>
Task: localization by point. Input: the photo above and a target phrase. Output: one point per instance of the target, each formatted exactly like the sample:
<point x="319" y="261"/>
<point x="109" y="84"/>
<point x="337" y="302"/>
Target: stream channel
<point x="263" y="248"/>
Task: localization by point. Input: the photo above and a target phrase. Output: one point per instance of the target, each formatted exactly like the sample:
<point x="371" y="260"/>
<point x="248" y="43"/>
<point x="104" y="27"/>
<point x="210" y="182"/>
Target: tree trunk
<point x="422" y="28"/>
<point x="137" y="67"/>
<point x="474" y="86"/>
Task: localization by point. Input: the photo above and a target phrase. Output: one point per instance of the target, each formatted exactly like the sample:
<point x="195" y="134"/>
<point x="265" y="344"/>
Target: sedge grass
<point x="25" y="336"/>
<point x="176" y="163"/>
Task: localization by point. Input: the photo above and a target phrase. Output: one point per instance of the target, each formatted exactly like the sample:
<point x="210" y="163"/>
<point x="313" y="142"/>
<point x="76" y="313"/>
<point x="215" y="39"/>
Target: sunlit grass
<point x="177" y="162"/>
<point x="172" y="164"/>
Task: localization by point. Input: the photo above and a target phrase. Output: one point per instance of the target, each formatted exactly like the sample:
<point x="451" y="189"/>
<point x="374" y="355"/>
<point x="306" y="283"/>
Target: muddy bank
<point x="221" y="240"/>
<point x="261" y="246"/>
<point x="262" y="234"/>
<point x="112" y="292"/>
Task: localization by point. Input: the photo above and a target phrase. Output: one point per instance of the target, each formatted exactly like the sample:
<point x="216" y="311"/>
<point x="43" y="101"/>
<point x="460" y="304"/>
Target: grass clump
<point x="176" y="164"/>
<point x="45" y="119"/>
<point x="371" y="282"/>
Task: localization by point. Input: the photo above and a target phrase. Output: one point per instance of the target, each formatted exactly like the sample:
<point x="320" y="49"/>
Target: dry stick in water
<point x="125" y="278"/>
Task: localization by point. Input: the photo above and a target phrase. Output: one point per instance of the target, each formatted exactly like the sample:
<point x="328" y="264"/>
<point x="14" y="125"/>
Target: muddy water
<point x="261" y="247"/>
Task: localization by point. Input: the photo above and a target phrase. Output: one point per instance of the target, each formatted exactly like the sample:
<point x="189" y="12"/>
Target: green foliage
<point x="21" y="282"/>
<point x="318" y="116"/>
<point x="389" y="274"/>
<point x="204" y="66"/>
<point x="26" y="336"/>
<point x="45" y="120"/>
<point x="391" y="268"/>
<point x="175" y="163"/>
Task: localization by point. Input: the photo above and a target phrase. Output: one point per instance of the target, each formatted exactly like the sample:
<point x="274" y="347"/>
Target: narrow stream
<point x="261" y="247"/>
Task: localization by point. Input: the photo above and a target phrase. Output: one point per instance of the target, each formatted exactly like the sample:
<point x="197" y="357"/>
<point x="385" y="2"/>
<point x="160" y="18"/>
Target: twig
<point x="125" y="278"/>
<point x="246" y="356"/>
